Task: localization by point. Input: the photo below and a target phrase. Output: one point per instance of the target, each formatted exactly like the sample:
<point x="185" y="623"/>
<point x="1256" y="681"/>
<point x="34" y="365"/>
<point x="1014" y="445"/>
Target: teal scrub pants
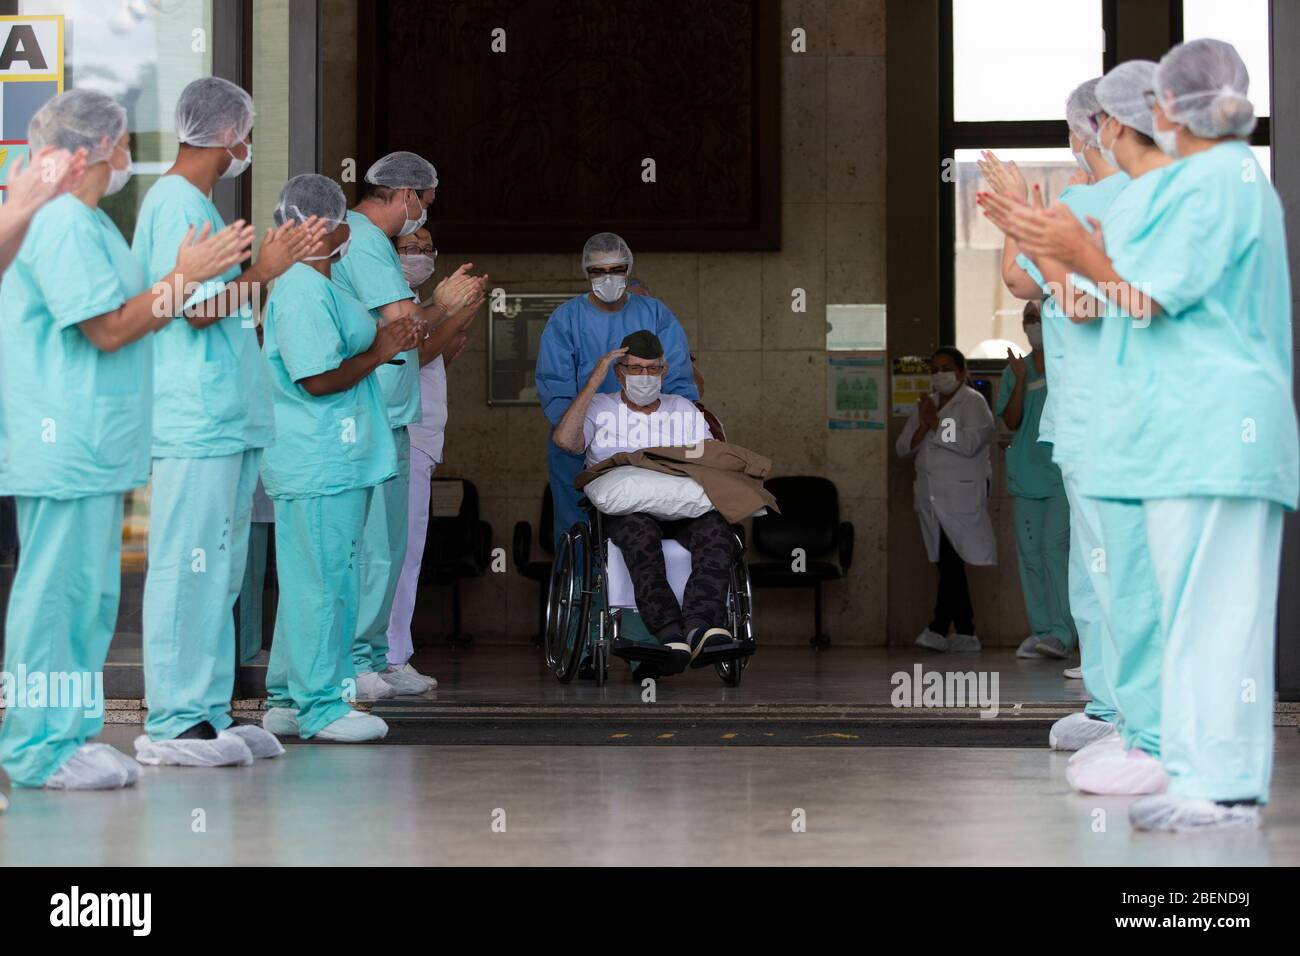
<point x="317" y="552"/>
<point x="250" y="596"/>
<point x="382" y="555"/>
<point x="1217" y="562"/>
<point x="62" y="611"/>
<point x="1085" y="605"/>
<point x="199" y="513"/>
<point x="1043" y="552"/>
<point x="1130" y="599"/>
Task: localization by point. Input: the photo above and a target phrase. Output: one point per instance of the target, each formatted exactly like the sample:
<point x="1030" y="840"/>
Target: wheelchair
<point x="591" y="614"/>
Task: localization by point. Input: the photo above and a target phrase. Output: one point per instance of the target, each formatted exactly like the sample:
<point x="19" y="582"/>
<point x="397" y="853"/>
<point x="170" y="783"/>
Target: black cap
<point x="643" y="344"/>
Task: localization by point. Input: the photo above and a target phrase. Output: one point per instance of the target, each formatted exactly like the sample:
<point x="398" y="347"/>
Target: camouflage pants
<point x="709" y="540"/>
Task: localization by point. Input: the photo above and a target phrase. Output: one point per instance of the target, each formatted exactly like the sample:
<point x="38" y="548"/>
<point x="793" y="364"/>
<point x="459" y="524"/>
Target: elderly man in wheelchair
<point x="685" y="561"/>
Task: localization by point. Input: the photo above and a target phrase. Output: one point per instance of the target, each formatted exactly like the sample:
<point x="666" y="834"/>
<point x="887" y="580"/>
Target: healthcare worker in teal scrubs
<point x="1121" y="570"/>
<point x="396" y="194"/>
<point x="1200" y="279"/>
<point x="212" y="418"/>
<point x="1069" y="351"/>
<point x="1042" y="516"/>
<point x="333" y="447"/>
<point x="75" y="396"/>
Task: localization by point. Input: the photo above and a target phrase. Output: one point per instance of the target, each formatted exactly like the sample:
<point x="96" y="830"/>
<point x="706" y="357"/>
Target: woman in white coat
<point x="949" y="433"/>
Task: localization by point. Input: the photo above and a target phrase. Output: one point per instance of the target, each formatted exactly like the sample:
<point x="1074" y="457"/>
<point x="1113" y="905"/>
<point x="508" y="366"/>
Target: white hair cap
<point x="311" y="194"/>
<point x="213" y="112"/>
<point x="1202" y="84"/>
<point x="402" y="170"/>
<point x="608" y="249"/>
<point x="76" y="119"/>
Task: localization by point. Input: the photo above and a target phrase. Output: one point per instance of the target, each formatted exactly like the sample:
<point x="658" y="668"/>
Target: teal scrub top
<point x="1030" y="472"/>
<point x="371" y="273"/>
<point x="1068" y="347"/>
<point x="211" y="393"/>
<point x="1198" y="401"/>
<point x="74" y="420"/>
<point x="324" y="444"/>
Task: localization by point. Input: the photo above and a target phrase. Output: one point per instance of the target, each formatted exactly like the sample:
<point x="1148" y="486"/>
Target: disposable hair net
<point x="1202" y="85"/>
<point x="1079" y="105"/>
<point x="1122" y="94"/>
<point x="311" y="194"/>
<point x="213" y="112"/>
<point x="608" y="249"/>
<point x="79" y="118"/>
<point x="402" y="170"/>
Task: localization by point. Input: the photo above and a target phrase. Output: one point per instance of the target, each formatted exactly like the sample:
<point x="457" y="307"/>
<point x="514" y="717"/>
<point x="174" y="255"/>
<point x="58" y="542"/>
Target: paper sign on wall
<point x="31" y="73"/>
<point x="855" y="392"/>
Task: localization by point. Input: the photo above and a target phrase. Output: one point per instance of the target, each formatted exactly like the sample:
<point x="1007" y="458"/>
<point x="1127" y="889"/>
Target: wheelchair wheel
<point x="731" y="671"/>
<point x="740" y="618"/>
<point x="568" y="602"/>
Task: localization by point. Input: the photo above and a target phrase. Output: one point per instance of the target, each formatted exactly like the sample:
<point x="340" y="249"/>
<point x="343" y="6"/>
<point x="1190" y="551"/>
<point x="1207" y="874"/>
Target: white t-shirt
<point x="611" y="427"/>
<point x="427" y="434"/>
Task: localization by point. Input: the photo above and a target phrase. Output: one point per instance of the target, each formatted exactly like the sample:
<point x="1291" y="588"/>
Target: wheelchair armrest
<point x="845" y="537"/>
<point x="522" y="545"/>
<point x="482" y="545"/>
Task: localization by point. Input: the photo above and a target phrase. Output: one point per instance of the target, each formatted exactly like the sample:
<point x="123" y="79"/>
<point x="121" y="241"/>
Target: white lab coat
<point x="952" y="477"/>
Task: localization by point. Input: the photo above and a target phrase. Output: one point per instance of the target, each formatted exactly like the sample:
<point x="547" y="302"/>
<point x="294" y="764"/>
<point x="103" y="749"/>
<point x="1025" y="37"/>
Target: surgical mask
<point x="1167" y="140"/>
<point x="643" y="389"/>
<point x="945" y="383"/>
<point x="414" y="224"/>
<point x="237" y="166"/>
<point x="609" y="288"/>
<point x="1082" y="161"/>
<point x="418" y="267"/>
<point x="1107" y="154"/>
<point x="1034" y="333"/>
<point x="340" y="252"/>
<point x="117" y="178"/>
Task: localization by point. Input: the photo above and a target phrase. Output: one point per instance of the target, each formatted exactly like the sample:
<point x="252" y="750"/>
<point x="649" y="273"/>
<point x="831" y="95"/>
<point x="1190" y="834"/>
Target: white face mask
<point x="414" y="224"/>
<point x="945" y="383"/>
<point x="417" y="268"/>
<point x="117" y="178"/>
<point x="1167" y="140"/>
<point x="338" y="253"/>
<point x="1034" y="333"/>
<point x="1107" y="154"/>
<point x="609" y="288"/>
<point x="237" y="166"/>
<point x="1081" y="161"/>
<point x="642" y="389"/>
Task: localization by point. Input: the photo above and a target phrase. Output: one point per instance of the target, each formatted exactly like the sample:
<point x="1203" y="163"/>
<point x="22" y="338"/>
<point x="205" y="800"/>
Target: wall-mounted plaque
<point x="514" y="333"/>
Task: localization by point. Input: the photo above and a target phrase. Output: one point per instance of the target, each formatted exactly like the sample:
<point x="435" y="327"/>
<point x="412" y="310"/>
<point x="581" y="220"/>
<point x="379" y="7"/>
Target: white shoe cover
<point x="1076" y="731"/>
<point x="281" y="721"/>
<point x="355" y="728"/>
<point x="91" y="767"/>
<point x="1052" y="647"/>
<point x="225" y="750"/>
<point x="371" y="687"/>
<point x="402" y="683"/>
<point x="932" y="640"/>
<point x="129" y="764"/>
<point x="1186" y="815"/>
<point x="260" y="743"/>
<point x="964" y="643"/>
<point x="1111" y="743"/>
<point x="431" y="681"/>
<point x="1028" y="647"/>
<point x="1130" y="773"/>
<point x="1073" y="673"/>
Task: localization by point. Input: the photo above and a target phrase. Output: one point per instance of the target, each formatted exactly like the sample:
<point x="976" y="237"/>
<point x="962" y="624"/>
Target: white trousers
<point x="400" y="644"/>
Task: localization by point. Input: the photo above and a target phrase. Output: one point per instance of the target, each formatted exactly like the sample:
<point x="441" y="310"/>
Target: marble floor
<point x="514" y="806"/>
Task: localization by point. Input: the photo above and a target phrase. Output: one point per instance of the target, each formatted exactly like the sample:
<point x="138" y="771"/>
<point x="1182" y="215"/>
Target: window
<point x="997" y="46"/>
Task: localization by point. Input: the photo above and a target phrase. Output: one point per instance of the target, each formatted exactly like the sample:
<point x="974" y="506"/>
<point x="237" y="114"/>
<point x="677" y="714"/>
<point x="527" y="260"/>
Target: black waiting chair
<point x="457" y="547"/>
<point x="809" y="520"/>
<point x="539" y="571"/>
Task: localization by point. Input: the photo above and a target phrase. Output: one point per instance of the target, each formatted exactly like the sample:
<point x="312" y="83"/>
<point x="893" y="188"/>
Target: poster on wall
<point x="911" y="381"/>
<point x="855" y="392"/>
<point x="31" y="72"/>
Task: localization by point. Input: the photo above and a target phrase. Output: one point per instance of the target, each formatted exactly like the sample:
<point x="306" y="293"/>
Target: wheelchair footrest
<point x="721" y="653"/>
<point x="639" y="651"/>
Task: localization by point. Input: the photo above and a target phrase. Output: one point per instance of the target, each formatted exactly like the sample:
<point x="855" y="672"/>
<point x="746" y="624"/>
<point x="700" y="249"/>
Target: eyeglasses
<point x="642" y="369"/>
<point x="1094" y="122"/>
<point x="417" y="251"/>
<point x="607" y="270"/>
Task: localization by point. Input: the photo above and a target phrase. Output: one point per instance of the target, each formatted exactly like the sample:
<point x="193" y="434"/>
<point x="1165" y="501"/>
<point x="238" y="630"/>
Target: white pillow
<point x="628" y="488"/>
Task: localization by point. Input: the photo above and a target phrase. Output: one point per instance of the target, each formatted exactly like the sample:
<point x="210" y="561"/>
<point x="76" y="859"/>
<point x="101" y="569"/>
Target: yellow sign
<point x="31" y="74"/>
